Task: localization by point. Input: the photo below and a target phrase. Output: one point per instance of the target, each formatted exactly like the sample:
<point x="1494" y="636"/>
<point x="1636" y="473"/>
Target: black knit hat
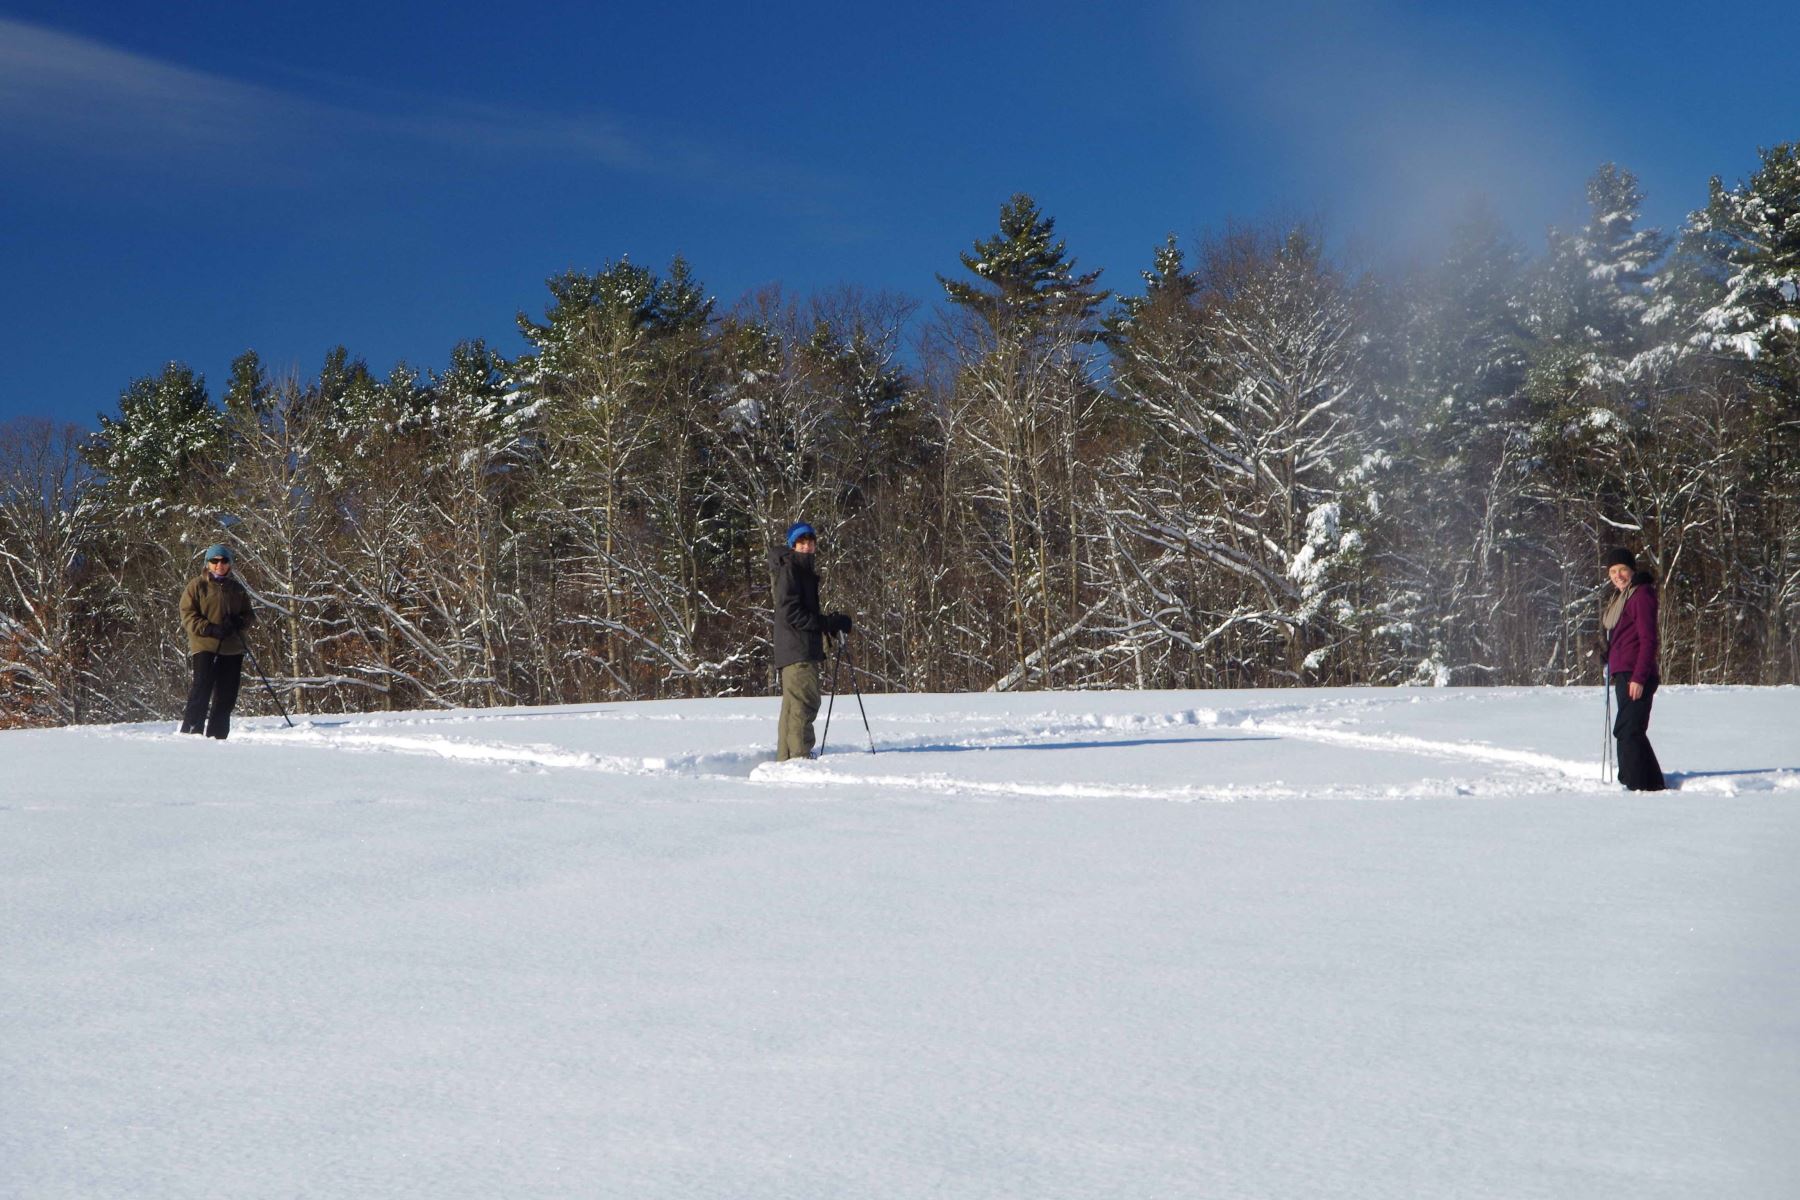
<point x="1619" y="556"/>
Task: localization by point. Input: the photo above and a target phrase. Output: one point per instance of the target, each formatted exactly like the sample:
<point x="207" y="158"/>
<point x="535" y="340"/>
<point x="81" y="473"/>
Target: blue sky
<point x="400" y="176"/>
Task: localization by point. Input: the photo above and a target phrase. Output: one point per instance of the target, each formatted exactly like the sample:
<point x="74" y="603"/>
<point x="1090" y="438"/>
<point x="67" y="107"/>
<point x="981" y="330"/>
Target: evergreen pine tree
<point x="1029" y="277"/>
<point x="1168" y="283"/>
<point x="1148" y="331"/>
<point x="248" y="391"/>
<point x="1458" y="437"/>
<point x="1470" y="337"/>
<point x="1588" y="311"/>
<point x="1024" y="411"/>
<point x="1746" y="242"/>
<point x="146" y="456"/>
<point x="605" y="364"/>
<point x="1596" y="288"/>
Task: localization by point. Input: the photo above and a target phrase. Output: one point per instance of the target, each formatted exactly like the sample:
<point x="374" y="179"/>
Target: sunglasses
<point x="218" y="560"/>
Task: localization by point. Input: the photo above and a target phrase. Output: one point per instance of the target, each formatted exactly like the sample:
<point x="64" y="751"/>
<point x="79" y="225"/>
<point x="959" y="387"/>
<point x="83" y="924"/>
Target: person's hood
<point x="1643" y="579"/>
<point x="781" y="556"/>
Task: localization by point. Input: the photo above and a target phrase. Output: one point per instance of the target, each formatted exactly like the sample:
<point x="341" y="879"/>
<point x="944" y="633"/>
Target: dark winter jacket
<point x="1632" y="647"/>
<point x="221" y="604"/>
<point x="799" y="625"/>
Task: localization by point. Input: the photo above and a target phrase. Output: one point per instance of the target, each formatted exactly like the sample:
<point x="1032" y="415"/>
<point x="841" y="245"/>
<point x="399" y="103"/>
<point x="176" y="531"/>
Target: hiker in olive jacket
<point x="215" y="611"/>
<point x="800" y="633"/>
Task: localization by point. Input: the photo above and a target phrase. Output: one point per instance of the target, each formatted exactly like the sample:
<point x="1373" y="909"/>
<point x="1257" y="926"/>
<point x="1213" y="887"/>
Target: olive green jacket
<point x="208" y="601"/>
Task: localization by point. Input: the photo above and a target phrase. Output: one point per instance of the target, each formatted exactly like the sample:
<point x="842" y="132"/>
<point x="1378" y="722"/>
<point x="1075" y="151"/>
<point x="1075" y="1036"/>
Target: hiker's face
<point x="1620" y="574"/>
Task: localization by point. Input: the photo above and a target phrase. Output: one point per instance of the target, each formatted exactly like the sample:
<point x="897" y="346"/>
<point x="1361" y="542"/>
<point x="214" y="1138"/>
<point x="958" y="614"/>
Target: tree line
<point x="1255" y="469"/>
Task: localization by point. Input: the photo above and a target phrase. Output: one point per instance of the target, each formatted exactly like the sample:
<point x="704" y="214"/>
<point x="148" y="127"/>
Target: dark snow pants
<point x="213" y="694"/>
<point x="799" y="708"/>
<point x="1638" y="768"/>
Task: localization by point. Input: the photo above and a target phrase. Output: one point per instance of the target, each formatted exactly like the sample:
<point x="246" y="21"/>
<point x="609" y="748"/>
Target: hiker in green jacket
<point x="215" y="611"/>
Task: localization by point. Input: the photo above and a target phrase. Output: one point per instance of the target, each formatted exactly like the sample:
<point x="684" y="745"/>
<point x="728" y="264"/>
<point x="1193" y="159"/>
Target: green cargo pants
<point x="799" y="705"/>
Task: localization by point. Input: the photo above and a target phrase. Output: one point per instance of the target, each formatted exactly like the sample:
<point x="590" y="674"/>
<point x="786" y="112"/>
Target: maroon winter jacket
<point x="1633" y="645"/>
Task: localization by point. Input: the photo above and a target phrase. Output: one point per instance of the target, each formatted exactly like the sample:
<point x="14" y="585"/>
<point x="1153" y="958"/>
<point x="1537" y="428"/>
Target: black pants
<point x="1638" y="768"/>
<point x="214" y="692"/>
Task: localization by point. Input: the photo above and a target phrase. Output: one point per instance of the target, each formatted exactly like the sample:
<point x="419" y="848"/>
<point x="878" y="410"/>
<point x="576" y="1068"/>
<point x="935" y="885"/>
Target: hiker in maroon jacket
<point x="1629" y="624"/>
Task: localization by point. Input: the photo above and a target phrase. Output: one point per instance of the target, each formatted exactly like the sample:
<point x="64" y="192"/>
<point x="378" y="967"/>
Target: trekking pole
<point x="829" y="705"/>
<point x="843" y="652"/>
<point x="1606" y="729"/>
<point x="266" y="683"/>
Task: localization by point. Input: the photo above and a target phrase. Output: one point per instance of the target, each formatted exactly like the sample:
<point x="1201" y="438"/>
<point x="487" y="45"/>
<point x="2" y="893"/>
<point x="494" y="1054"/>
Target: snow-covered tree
<point x="1029" y="278"/>
<point x="599" y="419"/>
<point x="1747" y="240"/>
<point x="1456" y="425"/>
<point x="146" y="455"/>
<point x="1018" y="416"/>
<point x="47" y="661"/>
<point x="1253" y="487"/>
<point x="1595" y="291"/>
<point x="1741" y="260"/>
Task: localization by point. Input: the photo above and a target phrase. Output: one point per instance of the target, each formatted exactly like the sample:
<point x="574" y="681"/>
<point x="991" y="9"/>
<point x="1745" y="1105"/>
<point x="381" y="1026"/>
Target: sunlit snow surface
<point x="1344" y="943"/>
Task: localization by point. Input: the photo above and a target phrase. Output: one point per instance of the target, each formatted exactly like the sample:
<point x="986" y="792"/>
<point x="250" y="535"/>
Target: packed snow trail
<point x="1354" y="943"/>
<point x="1327" y="722"/>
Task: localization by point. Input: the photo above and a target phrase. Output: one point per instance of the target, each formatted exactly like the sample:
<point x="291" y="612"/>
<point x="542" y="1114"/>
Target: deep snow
<point x="1358" y="943"/>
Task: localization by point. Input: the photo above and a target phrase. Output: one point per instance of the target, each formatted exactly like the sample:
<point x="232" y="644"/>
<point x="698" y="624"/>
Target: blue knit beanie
<point x="798" y="530"/>
<point x="216" y="551"/>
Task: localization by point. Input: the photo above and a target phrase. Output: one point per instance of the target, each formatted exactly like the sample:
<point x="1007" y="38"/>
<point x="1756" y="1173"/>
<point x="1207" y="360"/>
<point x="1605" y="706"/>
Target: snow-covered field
<point x="1348" y="943"/>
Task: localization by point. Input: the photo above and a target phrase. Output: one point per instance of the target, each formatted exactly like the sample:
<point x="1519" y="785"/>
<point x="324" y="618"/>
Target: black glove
<point x="836" y="623"/>
<point x="215" y="631"/>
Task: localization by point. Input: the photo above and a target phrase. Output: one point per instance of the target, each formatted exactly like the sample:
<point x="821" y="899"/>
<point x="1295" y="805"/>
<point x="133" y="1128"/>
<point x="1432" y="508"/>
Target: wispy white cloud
<point x="78" y="95"/>
<point x="82" y="100"/>
<point x="1395" y="117"/>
